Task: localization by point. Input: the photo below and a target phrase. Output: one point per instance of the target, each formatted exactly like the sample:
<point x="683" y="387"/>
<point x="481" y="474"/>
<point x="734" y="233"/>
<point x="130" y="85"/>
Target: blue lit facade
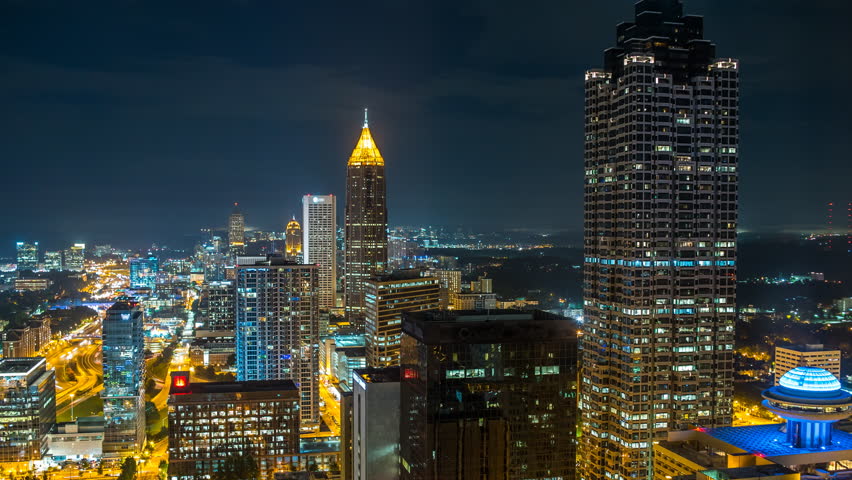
<point x="277" y="328"/>
<point x="124" y="378"/>
<point x="143" y="272"/>
<point x="811" y="401"/>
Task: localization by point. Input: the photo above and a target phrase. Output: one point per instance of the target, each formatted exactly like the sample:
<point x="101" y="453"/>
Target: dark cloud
<point x="141" y="121"/>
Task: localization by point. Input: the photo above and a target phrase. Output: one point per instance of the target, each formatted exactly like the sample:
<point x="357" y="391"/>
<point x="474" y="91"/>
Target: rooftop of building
<point x="240" y="387"/>
<point x="378" y="375"/>
<point x="348" y="341"/>
<point x="770" y="441"/>
<point x="755" y="472"/>
<point x="18" y="366"/>
<point x="698" y="456"/>
<point x="397" y="275"/>
<point x="487" y="326"/>
<point x="806" y="348"/>
<point x="268" y="261"/>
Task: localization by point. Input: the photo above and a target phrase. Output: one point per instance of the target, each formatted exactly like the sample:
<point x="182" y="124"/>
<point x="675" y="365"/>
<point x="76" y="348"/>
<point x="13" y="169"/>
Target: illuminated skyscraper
<point x="236" y="232"/>
<point x="277" y="323"/>
<point x="143" y="272"/>
<point x="27" y="254"/>
<point x="53" y="261"/>
<point x="366" y="222"/>
<point x="124" y="380"/>
<point x="293" y="241"/>
<point x="661" y="138"/>
<point x="319" y="247"/>
<point x="74" y="257"/>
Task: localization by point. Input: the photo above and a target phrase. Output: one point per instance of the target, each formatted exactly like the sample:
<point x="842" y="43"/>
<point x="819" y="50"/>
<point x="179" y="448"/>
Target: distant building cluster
<point x="340" y="349"/>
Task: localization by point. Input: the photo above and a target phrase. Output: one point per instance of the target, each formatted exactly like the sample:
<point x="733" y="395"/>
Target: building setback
<point x="366" y="223"/>
<point x="488" y="396"/>
<point x="661" y="139"/>
<point x="27" y="408"/>
<point x="277" y="336"/>
<point x="211" y="422"/>
<point x="387" y="297"/>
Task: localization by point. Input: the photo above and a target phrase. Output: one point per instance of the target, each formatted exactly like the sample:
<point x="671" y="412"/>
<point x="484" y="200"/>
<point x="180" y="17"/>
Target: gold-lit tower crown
<point x="366" y="152"/>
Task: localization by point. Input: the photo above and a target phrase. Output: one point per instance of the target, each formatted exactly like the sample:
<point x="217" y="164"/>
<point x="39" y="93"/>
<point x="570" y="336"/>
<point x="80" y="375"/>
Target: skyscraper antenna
<point x="365" y="118"/>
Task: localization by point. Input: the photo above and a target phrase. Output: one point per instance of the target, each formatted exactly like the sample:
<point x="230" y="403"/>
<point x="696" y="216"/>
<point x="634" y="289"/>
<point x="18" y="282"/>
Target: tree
<point x="128" y="469"/>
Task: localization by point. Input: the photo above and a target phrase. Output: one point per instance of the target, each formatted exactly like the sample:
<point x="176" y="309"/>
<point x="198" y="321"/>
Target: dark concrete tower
<point x="366" y="222"/>
<point x="661" y="140"/>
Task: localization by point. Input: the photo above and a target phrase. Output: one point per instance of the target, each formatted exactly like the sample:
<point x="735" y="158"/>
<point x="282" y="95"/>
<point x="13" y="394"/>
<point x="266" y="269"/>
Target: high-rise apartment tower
<point x="277" y="324"/>
<point x="661" y="139"/>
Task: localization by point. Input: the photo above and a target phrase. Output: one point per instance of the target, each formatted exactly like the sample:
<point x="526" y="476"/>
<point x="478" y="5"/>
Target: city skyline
<point x="431" y="110"/>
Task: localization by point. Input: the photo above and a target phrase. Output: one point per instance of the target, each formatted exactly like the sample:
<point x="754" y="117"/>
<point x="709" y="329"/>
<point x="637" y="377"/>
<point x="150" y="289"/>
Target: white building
<point x="375" y="424"/>
<point x="319" y="232"/>
<point x="812" y="355"/>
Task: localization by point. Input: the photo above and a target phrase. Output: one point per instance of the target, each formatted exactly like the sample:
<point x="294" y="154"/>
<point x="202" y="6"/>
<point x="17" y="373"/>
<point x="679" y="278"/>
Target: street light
<point x="72" y="407"/>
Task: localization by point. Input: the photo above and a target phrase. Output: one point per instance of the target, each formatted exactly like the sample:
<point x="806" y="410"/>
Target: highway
<point x="83" y="347"/>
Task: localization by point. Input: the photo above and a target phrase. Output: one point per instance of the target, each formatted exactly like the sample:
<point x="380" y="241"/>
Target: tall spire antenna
<point x="365" y="118"/>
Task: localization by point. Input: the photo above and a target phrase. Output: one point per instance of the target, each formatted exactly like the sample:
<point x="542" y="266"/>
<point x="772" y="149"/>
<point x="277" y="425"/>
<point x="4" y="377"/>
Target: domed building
<point x="811" y="401"/>
<point x="805" y="446"/>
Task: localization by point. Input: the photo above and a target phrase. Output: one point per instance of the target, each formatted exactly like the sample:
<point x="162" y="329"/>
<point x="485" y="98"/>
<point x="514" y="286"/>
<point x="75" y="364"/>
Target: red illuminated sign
<point x="180" y="383"/>
<point x="409" y="374"/>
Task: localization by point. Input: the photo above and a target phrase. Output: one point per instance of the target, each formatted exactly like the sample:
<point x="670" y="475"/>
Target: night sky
<point x="138" y="121"/>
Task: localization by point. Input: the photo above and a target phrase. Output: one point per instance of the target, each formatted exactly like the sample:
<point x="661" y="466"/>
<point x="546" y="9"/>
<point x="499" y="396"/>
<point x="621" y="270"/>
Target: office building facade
<point x="319" y="245"/>
<point x="365" y="223"/>
<point x="277" y="328"/>
<point x="450" y="283"/>
<point x="75" y="257"/>
<point x="488" y="395"/>
<point x="387" y="297"/>
<point x="143" y="272"/>
<point x="53" y="260"/>
<point x="236" y="232"/>
<point x="217" y="306"/>
<point x="124" y="380"/>
<point x="811" y="355"/>
<point x="375" y="424"/>
<point x="27" y="408"/>
<point x="211" y="422"/>
<point x="26" y="255"/>
<point x="661" y="139"/>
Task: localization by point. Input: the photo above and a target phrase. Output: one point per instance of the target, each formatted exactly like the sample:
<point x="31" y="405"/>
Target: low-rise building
<point x="475" y="301"/>
<point x="82" y="438"/>
<point x="32" y="284"/>
<point x="211" y="422"/>
<point x="27" y="341"/>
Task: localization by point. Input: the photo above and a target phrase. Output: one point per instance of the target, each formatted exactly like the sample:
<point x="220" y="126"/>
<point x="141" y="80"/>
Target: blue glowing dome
<point x="809" y="380"/>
